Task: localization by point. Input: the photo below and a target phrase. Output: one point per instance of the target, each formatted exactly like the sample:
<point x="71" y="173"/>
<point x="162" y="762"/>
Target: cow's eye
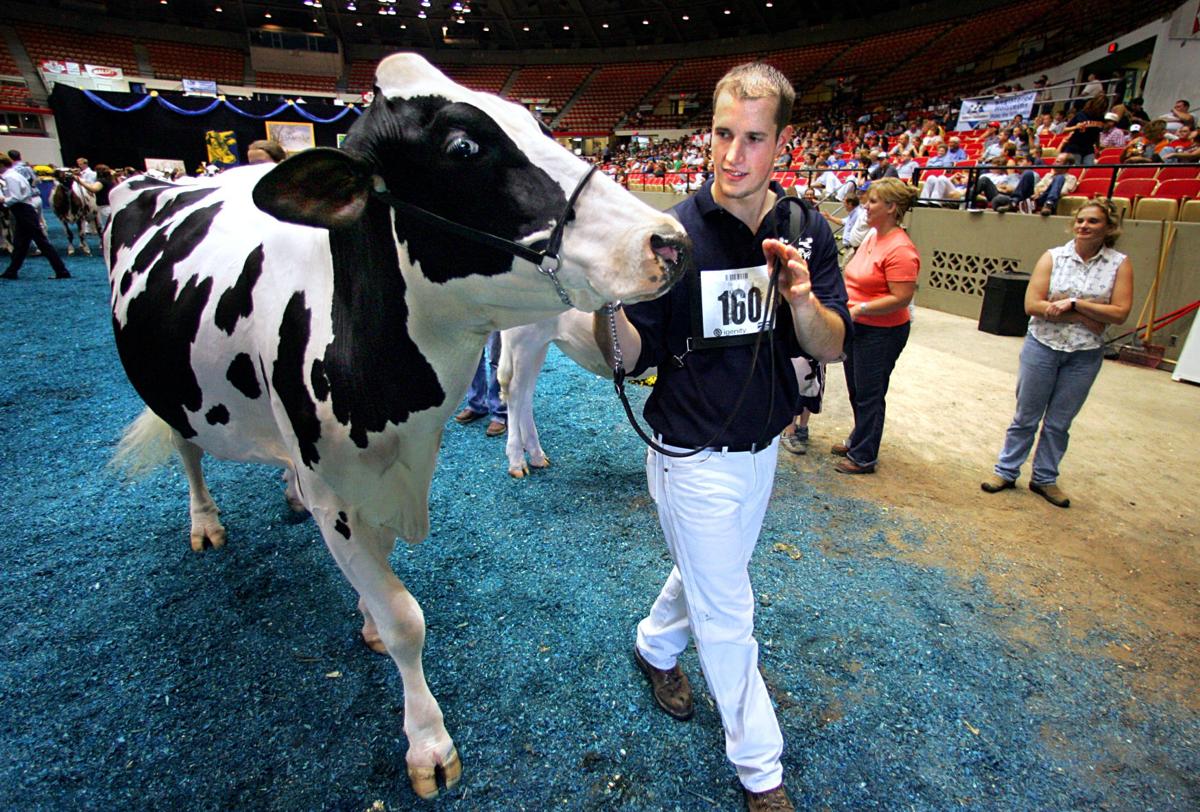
<point x="461" y="147"/>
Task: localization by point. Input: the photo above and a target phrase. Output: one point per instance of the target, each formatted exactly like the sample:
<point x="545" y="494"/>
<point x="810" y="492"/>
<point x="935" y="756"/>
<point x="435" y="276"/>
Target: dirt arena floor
<point x="1123" y="559"/>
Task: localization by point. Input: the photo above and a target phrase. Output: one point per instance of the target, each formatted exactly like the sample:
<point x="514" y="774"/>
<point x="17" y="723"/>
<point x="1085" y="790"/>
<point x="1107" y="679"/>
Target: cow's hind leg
<point x="362" y="554"/>
<point x="206" y="524"/>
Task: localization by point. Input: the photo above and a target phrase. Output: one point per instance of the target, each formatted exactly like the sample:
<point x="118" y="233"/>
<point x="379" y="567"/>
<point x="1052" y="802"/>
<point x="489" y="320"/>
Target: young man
<point x="18" y="197"/>
<point x="713" y="393"/>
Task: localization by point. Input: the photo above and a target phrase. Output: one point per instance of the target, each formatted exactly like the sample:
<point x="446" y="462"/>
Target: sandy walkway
<point x="1124" y="558"/>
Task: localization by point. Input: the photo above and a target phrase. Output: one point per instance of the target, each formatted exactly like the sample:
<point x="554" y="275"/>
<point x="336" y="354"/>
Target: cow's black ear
<point x="321" y="187"/>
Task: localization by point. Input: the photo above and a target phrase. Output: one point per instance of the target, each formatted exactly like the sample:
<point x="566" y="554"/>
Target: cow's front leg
<point x="528" y="356"/>
<point x="70" y="239"/>
<point x="362" y="554"/>
<point x="206" y="524"/>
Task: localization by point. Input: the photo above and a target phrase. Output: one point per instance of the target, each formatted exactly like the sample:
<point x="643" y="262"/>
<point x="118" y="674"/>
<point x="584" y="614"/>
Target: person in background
<point x="27" y="171"/>
<point x="85" y="171"/>
<point x="265" y="150"/>
<point x="1185" y="151"/>
<point x="955" y="152"/>
<point x="1085" y="130"/>
<point x="880" y="281"/>
<point x="1075" y="291"/>
<point x="105" y="181"/>
<point x="1180" y="116"/>
<point x="1054" y="185"/>
<point x="1112" y="135"/>
<point x="483" y="396"/>
<point x="18" y="198"/>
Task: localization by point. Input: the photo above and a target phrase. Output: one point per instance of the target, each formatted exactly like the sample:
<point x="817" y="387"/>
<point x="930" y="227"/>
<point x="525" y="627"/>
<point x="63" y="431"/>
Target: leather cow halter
<point x="546" y="260"/>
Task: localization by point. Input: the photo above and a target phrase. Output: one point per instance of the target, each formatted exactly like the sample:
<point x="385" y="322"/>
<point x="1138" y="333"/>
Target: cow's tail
<point x="145" y="445"/>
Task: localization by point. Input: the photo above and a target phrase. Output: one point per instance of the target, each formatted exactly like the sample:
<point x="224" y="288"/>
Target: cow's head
<point x="485" y="163"/>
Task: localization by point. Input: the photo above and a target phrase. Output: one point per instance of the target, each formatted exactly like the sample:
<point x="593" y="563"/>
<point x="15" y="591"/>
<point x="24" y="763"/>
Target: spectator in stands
<point x="1075" y="291"/>
<point x="955" y="152"/>
<point x="880" y="281"/>
<point x="1044" y="127"/>
<point x="881" y="167"/>
<point x="996" y="148"/>
<point x="944" y="190"/>
<point x="1185" y="151"/>
<point x="1112" y="135"/>
<point x="940" y="158"/>
<point x="1058" y="123"/>
<point x="1037" y="156"/>
<point x="1092" y="88"/>
<point x="903" y="144"/>
<point x="1180" y="116"/>
<point x="265" y="150"/>
<point x="1085" y="130"/>
<point x="909" y="165"/>
<point x="989" y="184"/>
<point x="1137" y="112"/>
<point x="1156" y="136"/>
<point x="1054" y="184"/>
<point x="1138" y="150"/>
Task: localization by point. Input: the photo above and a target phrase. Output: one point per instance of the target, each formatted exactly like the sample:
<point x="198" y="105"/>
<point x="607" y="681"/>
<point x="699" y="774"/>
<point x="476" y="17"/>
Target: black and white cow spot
<point x="217" y="416"/>
<point x="243" y="377"/>
<point x="237" y="302"/>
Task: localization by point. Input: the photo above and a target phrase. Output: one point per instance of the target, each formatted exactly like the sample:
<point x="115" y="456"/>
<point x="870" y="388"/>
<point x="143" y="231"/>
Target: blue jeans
<point x="484" y="397"/>
<point x="869" y="363"/>
<point x="1051" y="388"/>
<point x="1053" y="193"/>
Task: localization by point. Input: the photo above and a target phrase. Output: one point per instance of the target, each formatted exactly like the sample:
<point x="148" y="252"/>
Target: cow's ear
<point x="321" y="187"/>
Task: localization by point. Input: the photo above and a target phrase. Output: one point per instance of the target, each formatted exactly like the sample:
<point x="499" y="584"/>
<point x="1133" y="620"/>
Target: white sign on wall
<point x="88" y="77"/>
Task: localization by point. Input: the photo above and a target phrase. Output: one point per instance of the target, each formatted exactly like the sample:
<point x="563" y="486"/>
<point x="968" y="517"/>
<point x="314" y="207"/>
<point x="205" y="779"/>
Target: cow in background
<point x="522" y="353"/>
<point x="317" y="315"/>
<point x="74" y="206"/>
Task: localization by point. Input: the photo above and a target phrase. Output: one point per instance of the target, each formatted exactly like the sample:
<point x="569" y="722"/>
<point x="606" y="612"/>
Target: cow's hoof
<point x="544" y="462"/>
<point x="70" y="251"/>
<point x="519" y="473"/>
<point x="213" y="536"/>
<point x="87" y="252"/>
<point x="427" y="782"/>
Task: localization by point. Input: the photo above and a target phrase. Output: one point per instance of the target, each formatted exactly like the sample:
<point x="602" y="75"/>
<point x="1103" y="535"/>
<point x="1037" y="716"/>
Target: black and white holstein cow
<point x="74" y="206"/>
<point x="313" y="315"/>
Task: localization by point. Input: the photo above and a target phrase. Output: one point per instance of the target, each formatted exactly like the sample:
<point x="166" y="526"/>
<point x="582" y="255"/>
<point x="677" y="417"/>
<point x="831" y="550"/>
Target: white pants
<point x="711" y="508"/>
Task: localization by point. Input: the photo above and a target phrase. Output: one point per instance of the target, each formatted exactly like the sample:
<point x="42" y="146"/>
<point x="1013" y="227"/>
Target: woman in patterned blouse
<point x="1075" y="291"/>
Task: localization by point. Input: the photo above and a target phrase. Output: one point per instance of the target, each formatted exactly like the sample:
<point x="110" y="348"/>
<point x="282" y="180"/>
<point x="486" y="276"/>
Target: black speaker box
<point x="1003" y="311"/>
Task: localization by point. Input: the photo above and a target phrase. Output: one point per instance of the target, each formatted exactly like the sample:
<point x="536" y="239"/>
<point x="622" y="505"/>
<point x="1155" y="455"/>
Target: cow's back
<point x="200" y="278"/>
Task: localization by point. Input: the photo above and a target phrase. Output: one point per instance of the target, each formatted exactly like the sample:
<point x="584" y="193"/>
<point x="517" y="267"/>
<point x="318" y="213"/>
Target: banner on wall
<point x="93" y="77"/>
<point x="976" y="113"/>
<point x="222" y="148"/>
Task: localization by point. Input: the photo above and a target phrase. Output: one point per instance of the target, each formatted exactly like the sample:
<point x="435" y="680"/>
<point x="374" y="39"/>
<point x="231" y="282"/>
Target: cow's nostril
<point x="669" y="250"/>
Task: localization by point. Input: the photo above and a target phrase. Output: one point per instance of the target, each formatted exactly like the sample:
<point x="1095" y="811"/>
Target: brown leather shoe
<point x="996" y="483"/>
<point x="495" y="429"/>
<point x="1051" y="493"/>
<point x="671" y="688"/>
<point x="847" y="466"/>
<point x="468" y="416"/>
<point x="839" y="449"/>
<point x="773" y="800"/>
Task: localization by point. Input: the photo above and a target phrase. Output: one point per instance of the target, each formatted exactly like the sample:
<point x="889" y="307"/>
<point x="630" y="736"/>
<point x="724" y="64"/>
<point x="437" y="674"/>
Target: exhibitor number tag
<point x="733" y="302"/>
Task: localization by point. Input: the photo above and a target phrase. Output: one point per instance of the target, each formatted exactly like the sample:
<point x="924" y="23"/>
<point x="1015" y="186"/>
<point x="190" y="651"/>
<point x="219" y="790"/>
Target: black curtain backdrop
<point x="127" y="139"/>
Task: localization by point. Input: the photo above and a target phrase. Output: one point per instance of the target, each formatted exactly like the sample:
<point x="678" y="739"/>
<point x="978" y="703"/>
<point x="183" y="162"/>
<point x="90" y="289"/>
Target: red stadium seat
<point x="1178" y="188"/>
<point x="1178" y="172"/>
<point x="1133" y="189"/>
<point x="1130" y="172"/>
<point x="1092" y="187"/>
<point x="1110" y="155"/>
<point x="1090" y="172"/>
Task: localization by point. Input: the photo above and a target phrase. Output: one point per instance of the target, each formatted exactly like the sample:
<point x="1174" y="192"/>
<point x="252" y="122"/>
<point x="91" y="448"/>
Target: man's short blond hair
<point x="758" y="80"/>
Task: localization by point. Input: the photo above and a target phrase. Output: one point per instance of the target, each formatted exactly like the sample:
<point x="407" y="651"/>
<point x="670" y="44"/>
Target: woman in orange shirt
<point x="880" y="281"/>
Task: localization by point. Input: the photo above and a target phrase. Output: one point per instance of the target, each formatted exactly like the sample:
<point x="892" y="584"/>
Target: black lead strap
<point x="546" y="260"/>
<point x="772" y="299"/>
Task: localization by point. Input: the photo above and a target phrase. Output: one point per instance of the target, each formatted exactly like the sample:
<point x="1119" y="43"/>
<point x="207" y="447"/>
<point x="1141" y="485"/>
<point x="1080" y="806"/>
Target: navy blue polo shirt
<point x="699" y="388"/>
